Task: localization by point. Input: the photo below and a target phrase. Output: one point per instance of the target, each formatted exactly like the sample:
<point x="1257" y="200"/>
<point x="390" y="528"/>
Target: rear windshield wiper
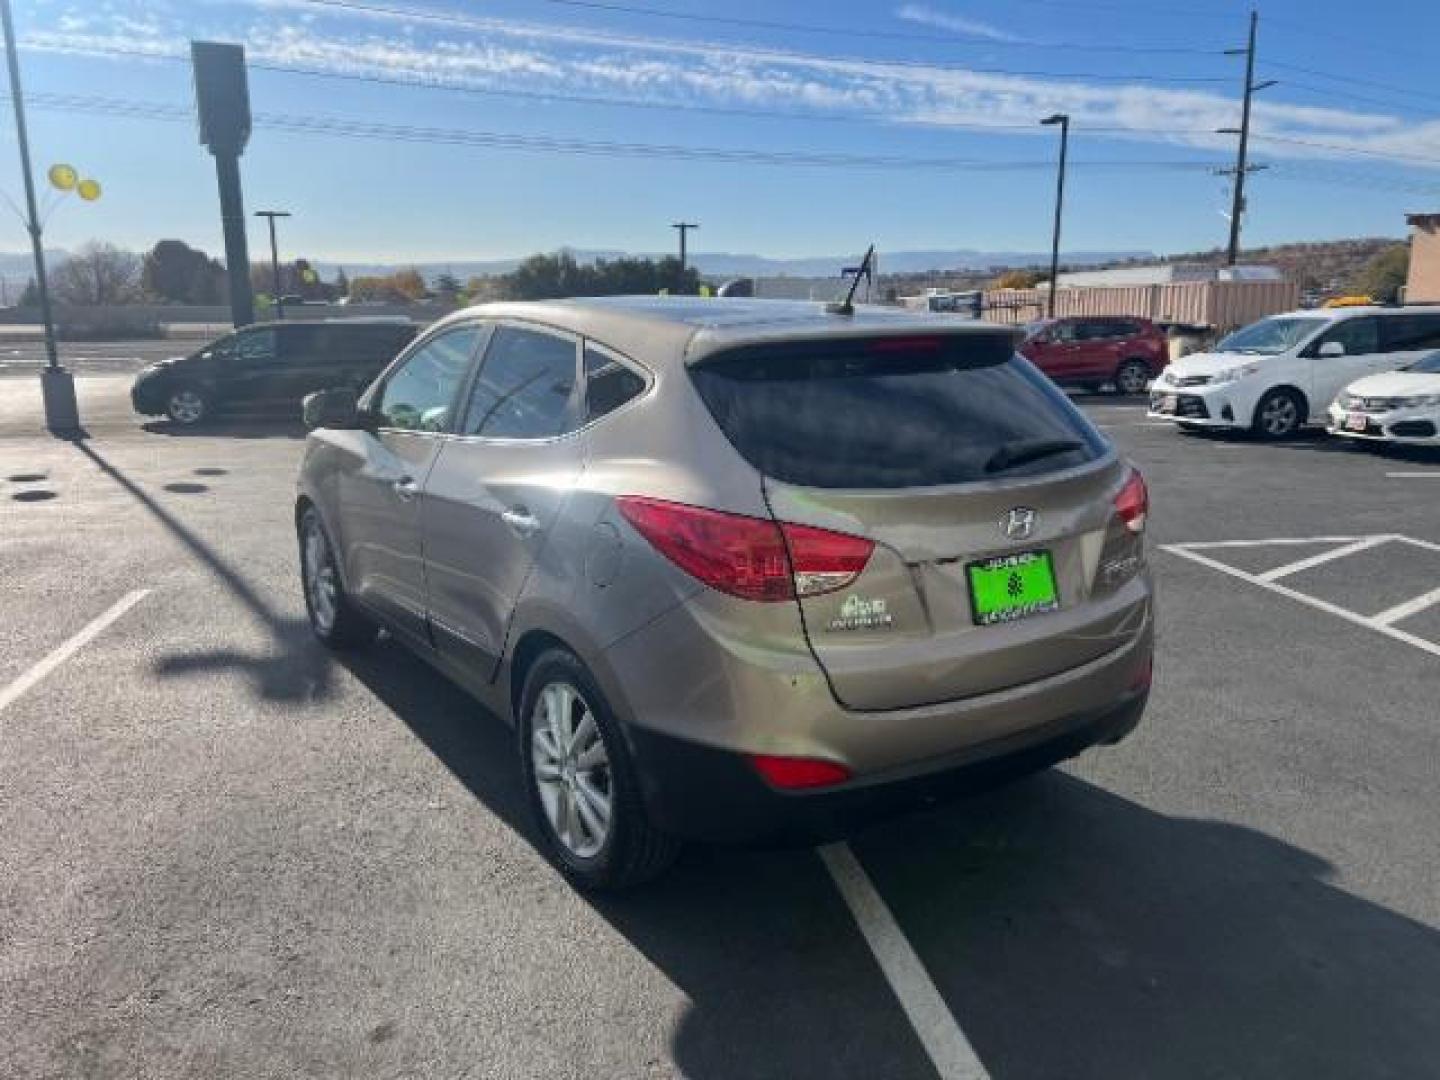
<point x="1021" y="453"/>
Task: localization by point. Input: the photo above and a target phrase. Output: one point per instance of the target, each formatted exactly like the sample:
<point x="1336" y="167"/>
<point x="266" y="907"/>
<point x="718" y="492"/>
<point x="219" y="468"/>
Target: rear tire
<point x="1280" y="414"/>
<point x="580" y="780"/>
<point x="1132" y="377"/>
<point x="334" y="619"/>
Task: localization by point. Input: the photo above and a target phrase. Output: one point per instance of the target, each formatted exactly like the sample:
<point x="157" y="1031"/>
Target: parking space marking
<point x="950" y="1052"/>
<point x="1408" y="608"/>
<point x="1414" y="475"/>
<point x="1192" y="552"/>
<point x="1323" y="557"/>
<point x="69" y="648"/>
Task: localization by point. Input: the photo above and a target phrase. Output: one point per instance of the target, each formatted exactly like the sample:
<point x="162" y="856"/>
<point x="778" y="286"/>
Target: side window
<point x="1410" y="333"/>
<point x="255" y="348"/>
<point x="608" y="384"/>
<point x="1065" y="332"/>
<point x="526" y="387"/>
<point x="1359" y="336"/>
<point x="420" y="394"/>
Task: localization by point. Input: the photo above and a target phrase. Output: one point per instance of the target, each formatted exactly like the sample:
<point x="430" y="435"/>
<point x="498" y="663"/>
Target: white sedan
<point x="1398" y="407"/>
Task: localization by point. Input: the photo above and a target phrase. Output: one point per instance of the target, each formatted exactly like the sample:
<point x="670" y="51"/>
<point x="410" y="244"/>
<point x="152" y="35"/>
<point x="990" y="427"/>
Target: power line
<point x="774" y="25"/>
<point x="759" y="51"/>
<point x="1340" y="147"/>
<point x="1349" y="95"/>
<point x="1352" y="80"/>
<point x="345" y="126"/>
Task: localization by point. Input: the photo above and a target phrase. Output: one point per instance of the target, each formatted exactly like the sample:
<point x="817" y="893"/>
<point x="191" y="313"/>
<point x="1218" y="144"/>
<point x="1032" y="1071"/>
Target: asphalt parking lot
<point x="224" y="852"/>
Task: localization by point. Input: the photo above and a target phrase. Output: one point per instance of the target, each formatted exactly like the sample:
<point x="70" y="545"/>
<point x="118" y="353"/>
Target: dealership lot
<point x="224" y="852"/>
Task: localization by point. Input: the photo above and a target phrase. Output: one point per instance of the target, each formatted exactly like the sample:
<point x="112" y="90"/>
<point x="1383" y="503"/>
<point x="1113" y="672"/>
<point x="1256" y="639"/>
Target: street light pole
<point x="1064" y="121"/>
<point x="271" y="215"/>
<point x="684" y="228"/>
<point x="57" y="385"/>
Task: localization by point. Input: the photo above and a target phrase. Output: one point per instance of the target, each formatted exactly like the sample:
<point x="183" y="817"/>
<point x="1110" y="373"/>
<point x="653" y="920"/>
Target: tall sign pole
<point x="57" y="386"/>
<point x="1063" y="120"/>
<point x="222" y="100"/>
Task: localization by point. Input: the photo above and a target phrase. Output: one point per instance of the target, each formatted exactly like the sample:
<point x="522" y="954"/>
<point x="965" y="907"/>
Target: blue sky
<point x="947" y="94"/>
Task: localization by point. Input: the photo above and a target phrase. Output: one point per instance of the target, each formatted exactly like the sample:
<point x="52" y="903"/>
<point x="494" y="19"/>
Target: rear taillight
<point x="1133" y="502"/>
<point x="794" y="774"/>
<point x="824" y="561"/>
<point x="745" y="556"/>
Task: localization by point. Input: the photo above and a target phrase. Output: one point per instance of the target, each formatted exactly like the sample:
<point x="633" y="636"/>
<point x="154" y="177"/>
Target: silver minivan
<point x="736" y="570"/>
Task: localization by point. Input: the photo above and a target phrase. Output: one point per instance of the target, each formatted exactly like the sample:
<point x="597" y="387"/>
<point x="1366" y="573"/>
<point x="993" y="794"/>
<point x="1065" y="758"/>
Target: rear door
<point x="988" y="497"/>
<point x="499" y="486"/>
<point x="1363" y="356"/>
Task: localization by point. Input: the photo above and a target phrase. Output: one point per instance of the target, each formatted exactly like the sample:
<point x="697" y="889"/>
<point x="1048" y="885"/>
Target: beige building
<point x="1424" y="283"/>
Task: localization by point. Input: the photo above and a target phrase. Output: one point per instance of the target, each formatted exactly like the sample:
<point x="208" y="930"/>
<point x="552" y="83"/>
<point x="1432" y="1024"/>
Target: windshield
<point x="1269" y="337"/>
<point x="1427" y="365"/>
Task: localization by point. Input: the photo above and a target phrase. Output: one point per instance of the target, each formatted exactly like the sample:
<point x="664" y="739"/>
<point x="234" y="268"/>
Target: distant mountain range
<point x="729" y="264"/>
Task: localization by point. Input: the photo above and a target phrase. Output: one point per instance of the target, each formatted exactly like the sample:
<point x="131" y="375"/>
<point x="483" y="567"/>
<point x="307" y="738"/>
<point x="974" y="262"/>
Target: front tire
<point x="580" y="780"/>
<point x="1280" y="414"/>
<point x="1132" y="377"/>
<point x="334" y="619"/>
<point x="187" y="405"/>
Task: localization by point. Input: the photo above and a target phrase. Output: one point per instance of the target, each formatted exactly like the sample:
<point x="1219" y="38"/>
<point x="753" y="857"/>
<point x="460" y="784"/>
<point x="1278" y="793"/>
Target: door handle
<point x="405" y="489"/>
<point x="521" y="520"/>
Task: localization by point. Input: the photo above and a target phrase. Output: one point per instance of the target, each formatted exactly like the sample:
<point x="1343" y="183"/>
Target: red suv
<point x="1092" y="351"/>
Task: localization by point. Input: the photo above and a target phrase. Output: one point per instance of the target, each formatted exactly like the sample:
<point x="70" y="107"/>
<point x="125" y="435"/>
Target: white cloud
<point x="502" y="54"/>
<point x="956" y="24"/>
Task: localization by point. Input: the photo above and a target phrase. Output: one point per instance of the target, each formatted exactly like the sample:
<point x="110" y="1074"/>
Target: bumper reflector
<point x="793" y="774"/>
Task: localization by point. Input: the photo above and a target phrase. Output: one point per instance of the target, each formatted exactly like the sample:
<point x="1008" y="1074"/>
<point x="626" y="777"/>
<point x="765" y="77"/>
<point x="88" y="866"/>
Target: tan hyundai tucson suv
<point x="736" y="570"/>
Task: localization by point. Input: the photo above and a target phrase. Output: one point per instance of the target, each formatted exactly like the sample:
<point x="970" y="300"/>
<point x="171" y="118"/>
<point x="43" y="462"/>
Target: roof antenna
<point x="847" y="306"/>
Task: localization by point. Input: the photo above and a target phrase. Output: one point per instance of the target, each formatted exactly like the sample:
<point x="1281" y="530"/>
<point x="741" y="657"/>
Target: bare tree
<point x="98" y="273"/>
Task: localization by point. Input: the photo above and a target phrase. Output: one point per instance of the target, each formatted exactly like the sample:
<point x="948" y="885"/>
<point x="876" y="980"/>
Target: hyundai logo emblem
<point x="1018" y="523"/>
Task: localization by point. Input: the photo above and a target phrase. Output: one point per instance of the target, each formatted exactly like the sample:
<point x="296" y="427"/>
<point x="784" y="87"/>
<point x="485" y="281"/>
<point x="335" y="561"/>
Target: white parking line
<point x="69" y="648"/>
<point x="1186" y="551"/>
<point x="1408" y="608"/>
<point x="1323" y="557"/>
<point x="1414" y="475"/>
<point x="950" y="1052"/>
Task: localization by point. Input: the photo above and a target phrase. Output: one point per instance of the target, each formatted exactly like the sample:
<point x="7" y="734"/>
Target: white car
<point x="1278" y="374"/>
<point x="1401" y="407"/>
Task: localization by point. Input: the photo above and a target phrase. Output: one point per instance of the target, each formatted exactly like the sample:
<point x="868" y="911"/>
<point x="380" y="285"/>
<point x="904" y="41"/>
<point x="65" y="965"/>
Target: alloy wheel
<point x="572" y="770"/>
<point x="1279" y="415"/>
<point x="320" y="580"/>
<point x="186" y="407"/>
<point x="1132" y="379"/>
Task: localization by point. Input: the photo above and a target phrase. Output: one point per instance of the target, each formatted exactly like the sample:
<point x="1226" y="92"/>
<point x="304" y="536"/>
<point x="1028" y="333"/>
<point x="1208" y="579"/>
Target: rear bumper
<point x="700" y="793"/>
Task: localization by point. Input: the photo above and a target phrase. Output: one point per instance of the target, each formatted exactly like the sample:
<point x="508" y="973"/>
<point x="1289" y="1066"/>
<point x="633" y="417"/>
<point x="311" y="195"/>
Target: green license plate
<point x="1010" y="587"/>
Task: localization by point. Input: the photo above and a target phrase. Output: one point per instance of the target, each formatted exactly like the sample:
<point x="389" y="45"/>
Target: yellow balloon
<point x="89" y="190"/>
<point x="63" y="176"/>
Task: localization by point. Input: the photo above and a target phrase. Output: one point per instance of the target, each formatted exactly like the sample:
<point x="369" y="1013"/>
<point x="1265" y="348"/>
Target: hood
<point x="1395" y="384"/>
<point x="1208" y="363"/>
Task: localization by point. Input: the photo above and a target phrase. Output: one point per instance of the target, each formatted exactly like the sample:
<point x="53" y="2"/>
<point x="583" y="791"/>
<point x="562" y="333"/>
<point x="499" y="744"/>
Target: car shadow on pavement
<point x="779" y="981"/>
<point x="1075" y="933"/>
<point x="1072" y="933"/>
<point x="293" y="668"/>
<point x="236" y="428"/>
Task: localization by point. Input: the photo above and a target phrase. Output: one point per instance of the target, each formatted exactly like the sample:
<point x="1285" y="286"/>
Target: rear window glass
<point x="894" y="412"/>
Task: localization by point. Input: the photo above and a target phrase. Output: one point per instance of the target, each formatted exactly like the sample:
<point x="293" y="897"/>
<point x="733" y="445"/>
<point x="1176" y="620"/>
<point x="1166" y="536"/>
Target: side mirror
<point x="336" y="409"/>
<point x="1332" y="348"/>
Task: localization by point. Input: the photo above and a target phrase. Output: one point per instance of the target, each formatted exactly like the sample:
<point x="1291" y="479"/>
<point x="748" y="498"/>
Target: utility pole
<point x="57" y="386"/>
<point x="1064" y="121"/>
<point x="271" y="215"/>
<point x="684" y="228"/>
<point x="1242" y="166"/>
